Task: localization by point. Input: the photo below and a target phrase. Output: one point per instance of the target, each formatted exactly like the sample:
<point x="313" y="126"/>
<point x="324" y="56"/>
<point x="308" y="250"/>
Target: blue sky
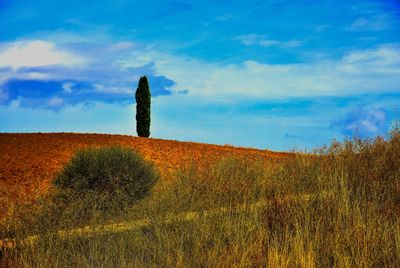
<point x="267" y="74"/>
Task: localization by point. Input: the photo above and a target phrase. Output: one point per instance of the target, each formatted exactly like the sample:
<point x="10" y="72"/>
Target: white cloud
<point x="260" y="40"/>
<point x="358" y="72"/>
<point x="364" y="122"/>
<point x="113" y="89"/>
<point x="34" y="54"/>
<point x="37" y="75"/>
<point x="67" y="87"/>
<point x="375" y="23"/>
<point x="55" y="102"/>
<point x="224" y="17"/>
<point x="382" y="56"/>
<point x="121" y="46"/>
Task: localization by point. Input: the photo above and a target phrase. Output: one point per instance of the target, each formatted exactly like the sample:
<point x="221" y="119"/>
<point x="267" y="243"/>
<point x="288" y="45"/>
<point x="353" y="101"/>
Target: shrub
<point x="106" y="175"/>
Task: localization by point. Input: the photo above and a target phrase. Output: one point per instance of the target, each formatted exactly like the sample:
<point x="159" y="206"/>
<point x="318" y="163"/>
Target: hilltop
<point x="29" y="162"/>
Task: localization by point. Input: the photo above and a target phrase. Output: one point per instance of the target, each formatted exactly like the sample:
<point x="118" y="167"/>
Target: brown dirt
<point x="28" y="162"/>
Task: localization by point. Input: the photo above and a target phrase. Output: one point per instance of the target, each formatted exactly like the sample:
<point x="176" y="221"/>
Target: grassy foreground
<point x="355" y="225"/>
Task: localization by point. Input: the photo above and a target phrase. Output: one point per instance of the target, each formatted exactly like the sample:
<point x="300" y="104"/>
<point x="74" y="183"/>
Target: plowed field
<point x="28" y="162"/>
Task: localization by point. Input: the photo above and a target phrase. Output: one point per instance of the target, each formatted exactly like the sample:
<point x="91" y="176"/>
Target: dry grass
<point x="29" y="162"/>
<point x="355" y="225"/>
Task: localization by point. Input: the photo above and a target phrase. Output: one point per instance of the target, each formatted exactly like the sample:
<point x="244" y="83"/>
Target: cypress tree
<point x="143" y="102"/>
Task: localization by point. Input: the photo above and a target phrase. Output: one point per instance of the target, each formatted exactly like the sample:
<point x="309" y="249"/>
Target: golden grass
<point x="89" y="231"/>
<point x="337" y="208"/>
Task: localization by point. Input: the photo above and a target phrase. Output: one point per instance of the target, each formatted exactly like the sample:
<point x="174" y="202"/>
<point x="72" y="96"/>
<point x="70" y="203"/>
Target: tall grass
<point x="337" y="207"/>
<point x="357" y="225"/>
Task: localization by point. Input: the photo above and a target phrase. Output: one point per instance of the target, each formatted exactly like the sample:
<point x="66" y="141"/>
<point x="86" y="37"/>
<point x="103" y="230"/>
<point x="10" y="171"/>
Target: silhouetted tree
<point x="143" y="103"/>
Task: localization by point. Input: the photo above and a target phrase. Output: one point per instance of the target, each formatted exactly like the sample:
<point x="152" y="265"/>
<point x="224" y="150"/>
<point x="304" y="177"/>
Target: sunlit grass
<point x="338" y="207"/>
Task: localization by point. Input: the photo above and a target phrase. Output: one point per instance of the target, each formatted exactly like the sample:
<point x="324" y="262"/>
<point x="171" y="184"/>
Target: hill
<point x="30" y="161"/>
<point x="339" y="208"/>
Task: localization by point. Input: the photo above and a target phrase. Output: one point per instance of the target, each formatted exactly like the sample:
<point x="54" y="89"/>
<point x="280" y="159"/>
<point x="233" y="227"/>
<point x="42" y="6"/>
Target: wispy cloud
<point x="260" y="40"/>
<point x="357" y="72"/>
<point x="374" y="23"/>
<point x="114" y="76"/>
<point x="224" y="17"/>
<point x="319" y="28"/>
<point x="364" y="123"/>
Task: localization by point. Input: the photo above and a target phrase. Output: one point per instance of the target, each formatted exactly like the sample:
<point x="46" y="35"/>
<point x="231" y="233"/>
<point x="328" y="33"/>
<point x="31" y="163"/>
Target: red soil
<point x="29" y="162"/>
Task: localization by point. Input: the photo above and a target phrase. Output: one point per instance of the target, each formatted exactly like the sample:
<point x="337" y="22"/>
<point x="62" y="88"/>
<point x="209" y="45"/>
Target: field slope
<point x="215" y="206"/>
<point x="30" y="161"/>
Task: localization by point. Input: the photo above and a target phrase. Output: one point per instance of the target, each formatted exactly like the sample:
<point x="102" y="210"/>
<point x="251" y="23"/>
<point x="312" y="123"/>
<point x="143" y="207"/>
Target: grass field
<point x="31" y="160"/>
<point x="337" y="207"/>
